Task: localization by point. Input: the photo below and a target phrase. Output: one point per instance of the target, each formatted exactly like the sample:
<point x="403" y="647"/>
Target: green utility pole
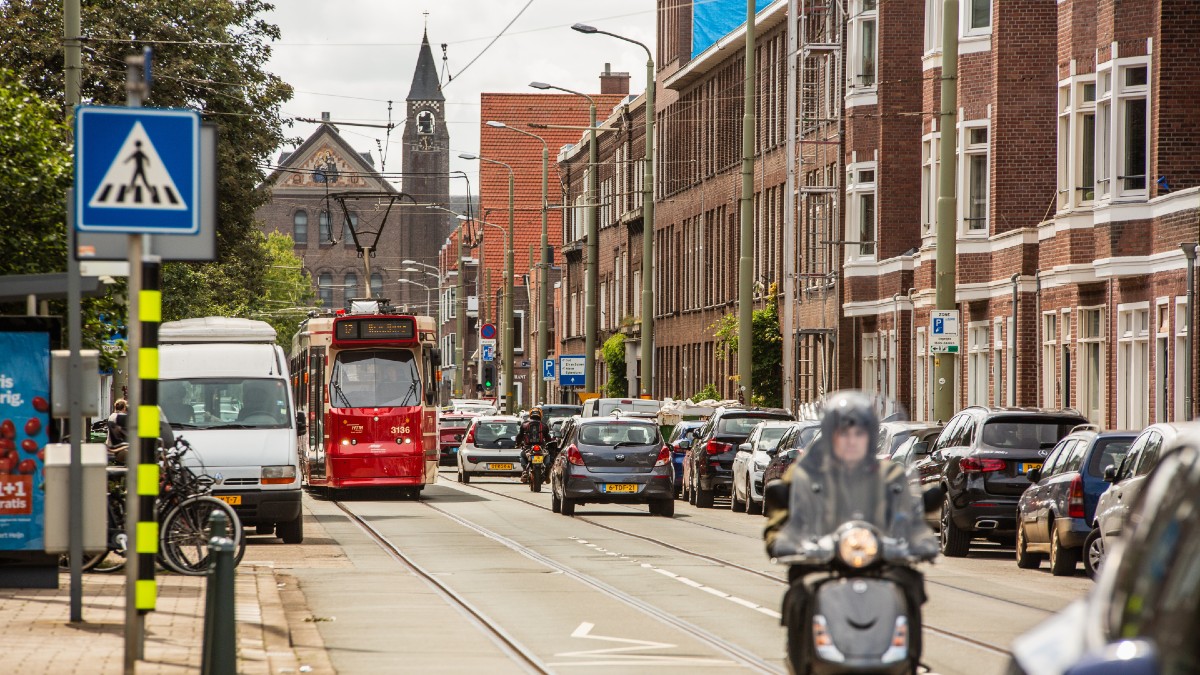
<point x="945" y="366"/>
<point x="509" y="387"/>
<point x="746" y="260"/>
<point x="544" y="281"/>
<point x="592" y="291"/>
<point x="460" y="308"/>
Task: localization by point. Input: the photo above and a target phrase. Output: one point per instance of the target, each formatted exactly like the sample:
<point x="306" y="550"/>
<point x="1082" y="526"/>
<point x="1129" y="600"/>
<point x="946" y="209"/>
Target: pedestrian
<point x="117" y="440"/>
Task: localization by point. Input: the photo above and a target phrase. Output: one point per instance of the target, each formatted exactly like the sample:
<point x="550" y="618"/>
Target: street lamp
<point x="509" y="330"/>
<point x="591" y="313"/>
<point x="544" y="267"/>
<point x="428" y="290"/>
<point x="647" y="382"/>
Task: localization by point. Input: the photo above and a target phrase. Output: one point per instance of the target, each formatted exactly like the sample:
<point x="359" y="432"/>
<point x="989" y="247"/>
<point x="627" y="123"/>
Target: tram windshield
<point x="375" y="378"/>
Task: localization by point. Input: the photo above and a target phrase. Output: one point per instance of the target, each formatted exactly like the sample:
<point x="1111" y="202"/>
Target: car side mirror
<point x="301" y="424"/>
<point x="1110" y="474"/>
<point x="1034" y="475"/>
<point x="685" y="444"/>
<point x="744" y="447"/>
<point x="921" y="449"/>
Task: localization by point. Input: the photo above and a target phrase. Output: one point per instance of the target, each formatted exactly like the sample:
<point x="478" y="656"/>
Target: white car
<point x="750" y="462"/>
<point x="1112" y="511"/>
<point x="489" y="448"/>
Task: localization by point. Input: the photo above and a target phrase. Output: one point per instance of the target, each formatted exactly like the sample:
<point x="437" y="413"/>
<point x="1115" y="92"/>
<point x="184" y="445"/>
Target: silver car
<point x="1112" y="511"/>
<point x="489" y="448"/>
<point x="750" y="462"/>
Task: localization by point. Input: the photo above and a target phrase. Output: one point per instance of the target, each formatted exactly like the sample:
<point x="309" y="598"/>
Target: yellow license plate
<point x="537" y="459"/>
<point x="1028" y="466"/>
<point x="500" y="467"/>
<point x="620" y="487"/>
<point x="232" y="500"/>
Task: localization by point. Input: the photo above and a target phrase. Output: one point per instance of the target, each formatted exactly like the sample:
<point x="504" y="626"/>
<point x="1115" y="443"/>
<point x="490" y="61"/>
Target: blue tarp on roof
<point x="714" y="19"/>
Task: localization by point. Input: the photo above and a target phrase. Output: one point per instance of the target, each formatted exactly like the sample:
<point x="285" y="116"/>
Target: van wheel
<point x="1062" y="560"/>
<point x="955" y="543"/>
<point x="1025" y="559"/>
<point x="291" y="532"/>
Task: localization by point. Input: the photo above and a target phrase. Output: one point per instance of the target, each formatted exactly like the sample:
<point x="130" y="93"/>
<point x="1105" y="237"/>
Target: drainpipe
<point x="1037" y="329"/>
<point x="1189" y="252"/>
<point x="895" y="343"/>
<point x="912" y="351"/>
<point x="1012" y="339"/>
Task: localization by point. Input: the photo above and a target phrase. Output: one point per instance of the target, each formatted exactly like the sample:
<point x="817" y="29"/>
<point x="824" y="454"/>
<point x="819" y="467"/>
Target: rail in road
<point x="942" y="632"/>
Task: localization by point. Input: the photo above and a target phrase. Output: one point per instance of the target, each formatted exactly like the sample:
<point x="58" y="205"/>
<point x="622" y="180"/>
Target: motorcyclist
<point x="838" y="480"/>
<point x="533" y="432"/>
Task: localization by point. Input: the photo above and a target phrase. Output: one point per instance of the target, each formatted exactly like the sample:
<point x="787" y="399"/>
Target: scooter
<point x="537" y="468"/>
<point x="851" y="607"/>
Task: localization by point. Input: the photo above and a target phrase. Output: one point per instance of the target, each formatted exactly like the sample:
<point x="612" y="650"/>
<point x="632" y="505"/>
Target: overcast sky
<point x="350" y="57"/>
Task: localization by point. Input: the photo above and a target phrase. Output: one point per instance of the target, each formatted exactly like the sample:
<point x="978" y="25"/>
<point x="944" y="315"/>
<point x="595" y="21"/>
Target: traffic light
<point x="489" y="376"/>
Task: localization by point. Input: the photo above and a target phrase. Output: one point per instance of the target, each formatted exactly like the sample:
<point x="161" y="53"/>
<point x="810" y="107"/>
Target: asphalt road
<point x="484" y="578"/>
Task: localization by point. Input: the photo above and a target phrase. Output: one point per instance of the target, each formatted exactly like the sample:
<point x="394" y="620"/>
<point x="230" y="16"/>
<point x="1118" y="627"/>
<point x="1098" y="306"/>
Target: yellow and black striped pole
<point x="150" y="316"/>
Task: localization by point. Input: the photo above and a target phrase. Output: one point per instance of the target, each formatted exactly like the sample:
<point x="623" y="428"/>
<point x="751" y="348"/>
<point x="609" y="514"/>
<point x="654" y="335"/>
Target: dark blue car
<point x="683" y="431"/>
<point x="1056" y="513"/>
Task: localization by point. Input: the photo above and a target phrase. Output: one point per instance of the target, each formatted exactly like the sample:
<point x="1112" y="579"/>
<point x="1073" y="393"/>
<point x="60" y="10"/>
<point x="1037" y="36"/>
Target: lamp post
<point x="647" y="381"/>
<point x="591" y="313"/>
<point x="428" y="290"/>
<point x="544" y="267"/>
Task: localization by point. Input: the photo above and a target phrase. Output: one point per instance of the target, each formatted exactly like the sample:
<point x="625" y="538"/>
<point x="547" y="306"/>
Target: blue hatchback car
<point x="683" y="431"/>
<point x="1056" y="513"/>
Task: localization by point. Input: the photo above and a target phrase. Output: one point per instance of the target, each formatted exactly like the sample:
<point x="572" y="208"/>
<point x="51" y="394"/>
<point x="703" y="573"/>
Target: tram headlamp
<point x="858" y="547"/>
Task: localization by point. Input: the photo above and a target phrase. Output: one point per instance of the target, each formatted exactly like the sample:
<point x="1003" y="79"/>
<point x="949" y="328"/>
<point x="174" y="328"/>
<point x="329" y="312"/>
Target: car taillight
<point x="574" y="456"/>
<point x="470" y="436"/>
<point x="975" y="464"/>
<point x="1075" y="501"/>
<point x="717" y="448"/>
<point x="664" y="457"/>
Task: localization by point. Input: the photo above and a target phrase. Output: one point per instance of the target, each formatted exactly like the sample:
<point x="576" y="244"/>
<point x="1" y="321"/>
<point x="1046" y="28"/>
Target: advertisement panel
<point x="24" y="427"/>
<point x="714" y="19"/>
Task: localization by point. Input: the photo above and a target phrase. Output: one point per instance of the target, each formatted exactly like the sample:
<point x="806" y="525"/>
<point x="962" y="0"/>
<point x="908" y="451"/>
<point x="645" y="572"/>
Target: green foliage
<point x="289" y="288"/>
<point x="613" y="352"/>
<point x="767" y="368"/>
<point x="708" y="393"/>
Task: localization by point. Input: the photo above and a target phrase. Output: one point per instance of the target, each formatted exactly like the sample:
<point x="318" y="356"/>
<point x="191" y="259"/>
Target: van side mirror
<point x="301" y="424"/>
<point x="1110" y="474"/>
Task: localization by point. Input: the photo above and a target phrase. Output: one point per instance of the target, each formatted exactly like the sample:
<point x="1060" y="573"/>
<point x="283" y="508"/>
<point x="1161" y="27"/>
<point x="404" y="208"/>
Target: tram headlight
<point x="278" y="475"/>
<point x="858" y="547"/>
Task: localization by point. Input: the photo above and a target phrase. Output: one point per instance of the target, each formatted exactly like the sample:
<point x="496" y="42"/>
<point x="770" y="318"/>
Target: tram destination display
<point x="399" y="328"/>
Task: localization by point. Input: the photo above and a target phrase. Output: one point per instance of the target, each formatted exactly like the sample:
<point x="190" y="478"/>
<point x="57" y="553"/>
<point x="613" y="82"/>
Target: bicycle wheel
<point x="185" y="535"/>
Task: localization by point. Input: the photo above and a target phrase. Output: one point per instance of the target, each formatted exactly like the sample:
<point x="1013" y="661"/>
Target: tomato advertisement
<point x="24" y="423"/>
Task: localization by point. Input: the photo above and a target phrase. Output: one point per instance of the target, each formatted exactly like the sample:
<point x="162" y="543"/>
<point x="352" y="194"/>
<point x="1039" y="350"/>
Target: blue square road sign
<point x="137" y="170"/>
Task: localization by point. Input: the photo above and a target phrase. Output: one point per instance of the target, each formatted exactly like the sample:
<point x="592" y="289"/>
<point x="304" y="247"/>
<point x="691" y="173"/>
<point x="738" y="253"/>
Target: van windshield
<point x="225" y="403"/>
<point x="635" y="405"/>
<point x="375" y="378"/>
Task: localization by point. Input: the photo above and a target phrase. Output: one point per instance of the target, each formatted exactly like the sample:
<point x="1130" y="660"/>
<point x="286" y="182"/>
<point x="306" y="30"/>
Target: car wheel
<point x="666" y="508"/>
<point x="1025" y="559"/>
<point x="555" y="502"/>
<point x="735" y="505"/>
<point x="1062" y="560"/>
<point x="955" y="543"/>
<point x="691" y="495"/>
<point x="754" y="508"/>
<point x="704" y="499"/>
<point x="463" y="476"/>
<point x="567" y="507"/>
<point x="1093" y="553"/>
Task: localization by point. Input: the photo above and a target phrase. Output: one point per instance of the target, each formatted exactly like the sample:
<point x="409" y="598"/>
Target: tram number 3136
<point x="403" y="430"/>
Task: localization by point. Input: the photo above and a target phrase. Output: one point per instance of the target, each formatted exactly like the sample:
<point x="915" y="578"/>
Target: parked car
<point x="451" y="429"/>
<point x="710" y="459"/>
<point x="795" y="442"/>
<point x="1141" y="619"/>
<point x="490" y="448"/>
<point x="749" y="463"/>
<point x="680" y="441"/>
<point x="1055" y="515"/>
<point x="981" y="461"/>
<point x="611" y="459"/>
<point x="1126" y="475"/>
<point x="893" y="434"/>
<point x="917" y="446"/>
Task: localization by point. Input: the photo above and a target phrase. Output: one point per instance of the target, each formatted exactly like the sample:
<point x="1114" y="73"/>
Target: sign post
<point x="944" y="334"/>
<point x="548" y="370"/>
<point x="571" y="369"/>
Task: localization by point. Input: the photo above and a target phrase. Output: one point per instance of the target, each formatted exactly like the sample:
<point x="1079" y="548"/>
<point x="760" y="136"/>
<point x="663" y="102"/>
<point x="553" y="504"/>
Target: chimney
<point x="613" y="83"/>
<point x="325" y="117"/>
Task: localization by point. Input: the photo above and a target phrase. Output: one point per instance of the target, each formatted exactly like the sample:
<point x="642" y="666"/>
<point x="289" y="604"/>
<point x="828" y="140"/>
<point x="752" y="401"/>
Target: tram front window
<point x="375" y="378"/>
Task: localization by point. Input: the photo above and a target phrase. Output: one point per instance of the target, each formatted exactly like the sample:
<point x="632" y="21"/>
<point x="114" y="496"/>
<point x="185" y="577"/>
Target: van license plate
<point x="620" y="487"/>
<point x="232" y="500"/>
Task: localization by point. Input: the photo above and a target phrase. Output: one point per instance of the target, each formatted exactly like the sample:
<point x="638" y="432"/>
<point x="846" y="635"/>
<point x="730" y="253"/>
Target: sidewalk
<point x="274" y="629"/>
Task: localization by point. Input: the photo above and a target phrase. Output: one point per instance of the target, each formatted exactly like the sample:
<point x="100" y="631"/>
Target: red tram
<point x="367" y="386"/>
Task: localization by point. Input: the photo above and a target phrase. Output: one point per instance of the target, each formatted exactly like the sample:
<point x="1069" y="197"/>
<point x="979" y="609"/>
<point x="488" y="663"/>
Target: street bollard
<point x="220" y="631"/>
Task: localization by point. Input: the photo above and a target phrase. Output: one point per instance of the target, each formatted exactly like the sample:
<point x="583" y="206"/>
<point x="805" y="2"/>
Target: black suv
<point x="981" y="461"/>
<point x="710" y="459"/>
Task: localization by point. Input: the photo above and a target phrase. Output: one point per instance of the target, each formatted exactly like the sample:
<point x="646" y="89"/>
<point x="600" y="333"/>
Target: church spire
<point x="425" y="85"/>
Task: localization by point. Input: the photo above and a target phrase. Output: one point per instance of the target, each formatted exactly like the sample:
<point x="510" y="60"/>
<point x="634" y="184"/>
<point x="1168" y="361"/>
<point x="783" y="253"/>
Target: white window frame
<point x="862" y="13"/>
<point x="999" y="365"/>
<point x="1124" y="94"/>
<point x="856" y="189"/>
<point x="978" y="334"/>
<point x="1180" y="375"/>
<point x="870" y="359"/>
<point x="1085" y="342"/>
<point x="1066" y="356"/>
<point x="1049" y="349"/>
<point x="966" y="16"/>
<point x="1133" y="365"/>
<point x="519" y="331"/>
<point x="966" y="152"/>
<point x="933" y="27"/>
<point x="921" y="389"/>
<point x="930" y="165"/>
<point x="1104" y="135"/>
<point x="1162" y="359"/>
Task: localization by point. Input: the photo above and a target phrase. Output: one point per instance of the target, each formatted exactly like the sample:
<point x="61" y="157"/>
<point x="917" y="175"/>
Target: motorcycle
<point x="537" y="467"/>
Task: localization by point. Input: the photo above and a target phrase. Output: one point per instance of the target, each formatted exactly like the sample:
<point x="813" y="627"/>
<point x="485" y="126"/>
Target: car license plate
<point x="1027" y="466"/>
<point x="537" y="459"/>
<point x="232" y="500"/>
<point x="620" y="487"/>
<point x="500" y="467"/>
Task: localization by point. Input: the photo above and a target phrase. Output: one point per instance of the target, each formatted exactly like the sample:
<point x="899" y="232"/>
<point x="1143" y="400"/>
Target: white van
<point x="223" y="385"/>
<point x="603" y="407"/>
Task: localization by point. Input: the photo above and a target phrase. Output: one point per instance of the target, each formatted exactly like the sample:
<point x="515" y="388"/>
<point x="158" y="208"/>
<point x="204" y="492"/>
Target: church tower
<point x="426" y="163"/>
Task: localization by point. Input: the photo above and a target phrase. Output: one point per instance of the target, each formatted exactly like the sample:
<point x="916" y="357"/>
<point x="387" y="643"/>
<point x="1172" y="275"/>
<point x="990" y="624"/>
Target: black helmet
<point x="846" y="409"/>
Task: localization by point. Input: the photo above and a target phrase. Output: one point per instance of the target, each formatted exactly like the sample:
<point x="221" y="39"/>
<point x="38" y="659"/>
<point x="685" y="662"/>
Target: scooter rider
<point x="533" y="432"/>
<point x="840" y="479"/>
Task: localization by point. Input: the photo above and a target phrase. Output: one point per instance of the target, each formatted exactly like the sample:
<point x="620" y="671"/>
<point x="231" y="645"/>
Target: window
<point x="300" y="228"/>
<point x="863" y="44"/>
<point x="977" y="367"/>
<point x="325" y="232"/>
<point x="519" y="331"/>
<point x="921" y="407"/>
<point x="1181" y="398"/>
<point x="1133" y="368"/>
<point x="1091" y="376"/>
<point x="449" y="304"/>
<point x="1135" y="138"/>
<point x="999" y="381"/>
<point x="325" y="289"/>
<point x="975" y="210"/>
<point x="347" y="235"/>
<point x="929" y="182"/>
<point x="979" y="16"/>
<point x="425" y="122"/>
<point x="861" y="226"/>
<point x="1104" y="137"/>
<point x="1122" y="121"/>
<point x="870" y="359"/>
<point x="933" y="26"/>
<point x="375" y="378"/>
<point x="1049" y="351"/>
<point x="1066" y="373"/>
<point x="376" y="284"/>
<point x="213" y="403"/>
<point x="351" y="285"/>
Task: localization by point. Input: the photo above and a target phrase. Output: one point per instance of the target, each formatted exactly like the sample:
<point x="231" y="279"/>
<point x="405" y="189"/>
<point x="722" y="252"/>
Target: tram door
<point x="316" y="407"/>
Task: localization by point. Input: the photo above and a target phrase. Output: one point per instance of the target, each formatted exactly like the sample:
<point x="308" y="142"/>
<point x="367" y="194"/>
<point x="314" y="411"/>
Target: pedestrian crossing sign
<point x="137" y="170"/>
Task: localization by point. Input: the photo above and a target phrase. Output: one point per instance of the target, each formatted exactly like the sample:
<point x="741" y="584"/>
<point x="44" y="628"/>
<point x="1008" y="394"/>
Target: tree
<point x="209" y="55"/>
<point x="289" y="288"/>
<point x="613" y="352"/>
<point x="767" y="369"/>
<point x="708" y="393"/>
